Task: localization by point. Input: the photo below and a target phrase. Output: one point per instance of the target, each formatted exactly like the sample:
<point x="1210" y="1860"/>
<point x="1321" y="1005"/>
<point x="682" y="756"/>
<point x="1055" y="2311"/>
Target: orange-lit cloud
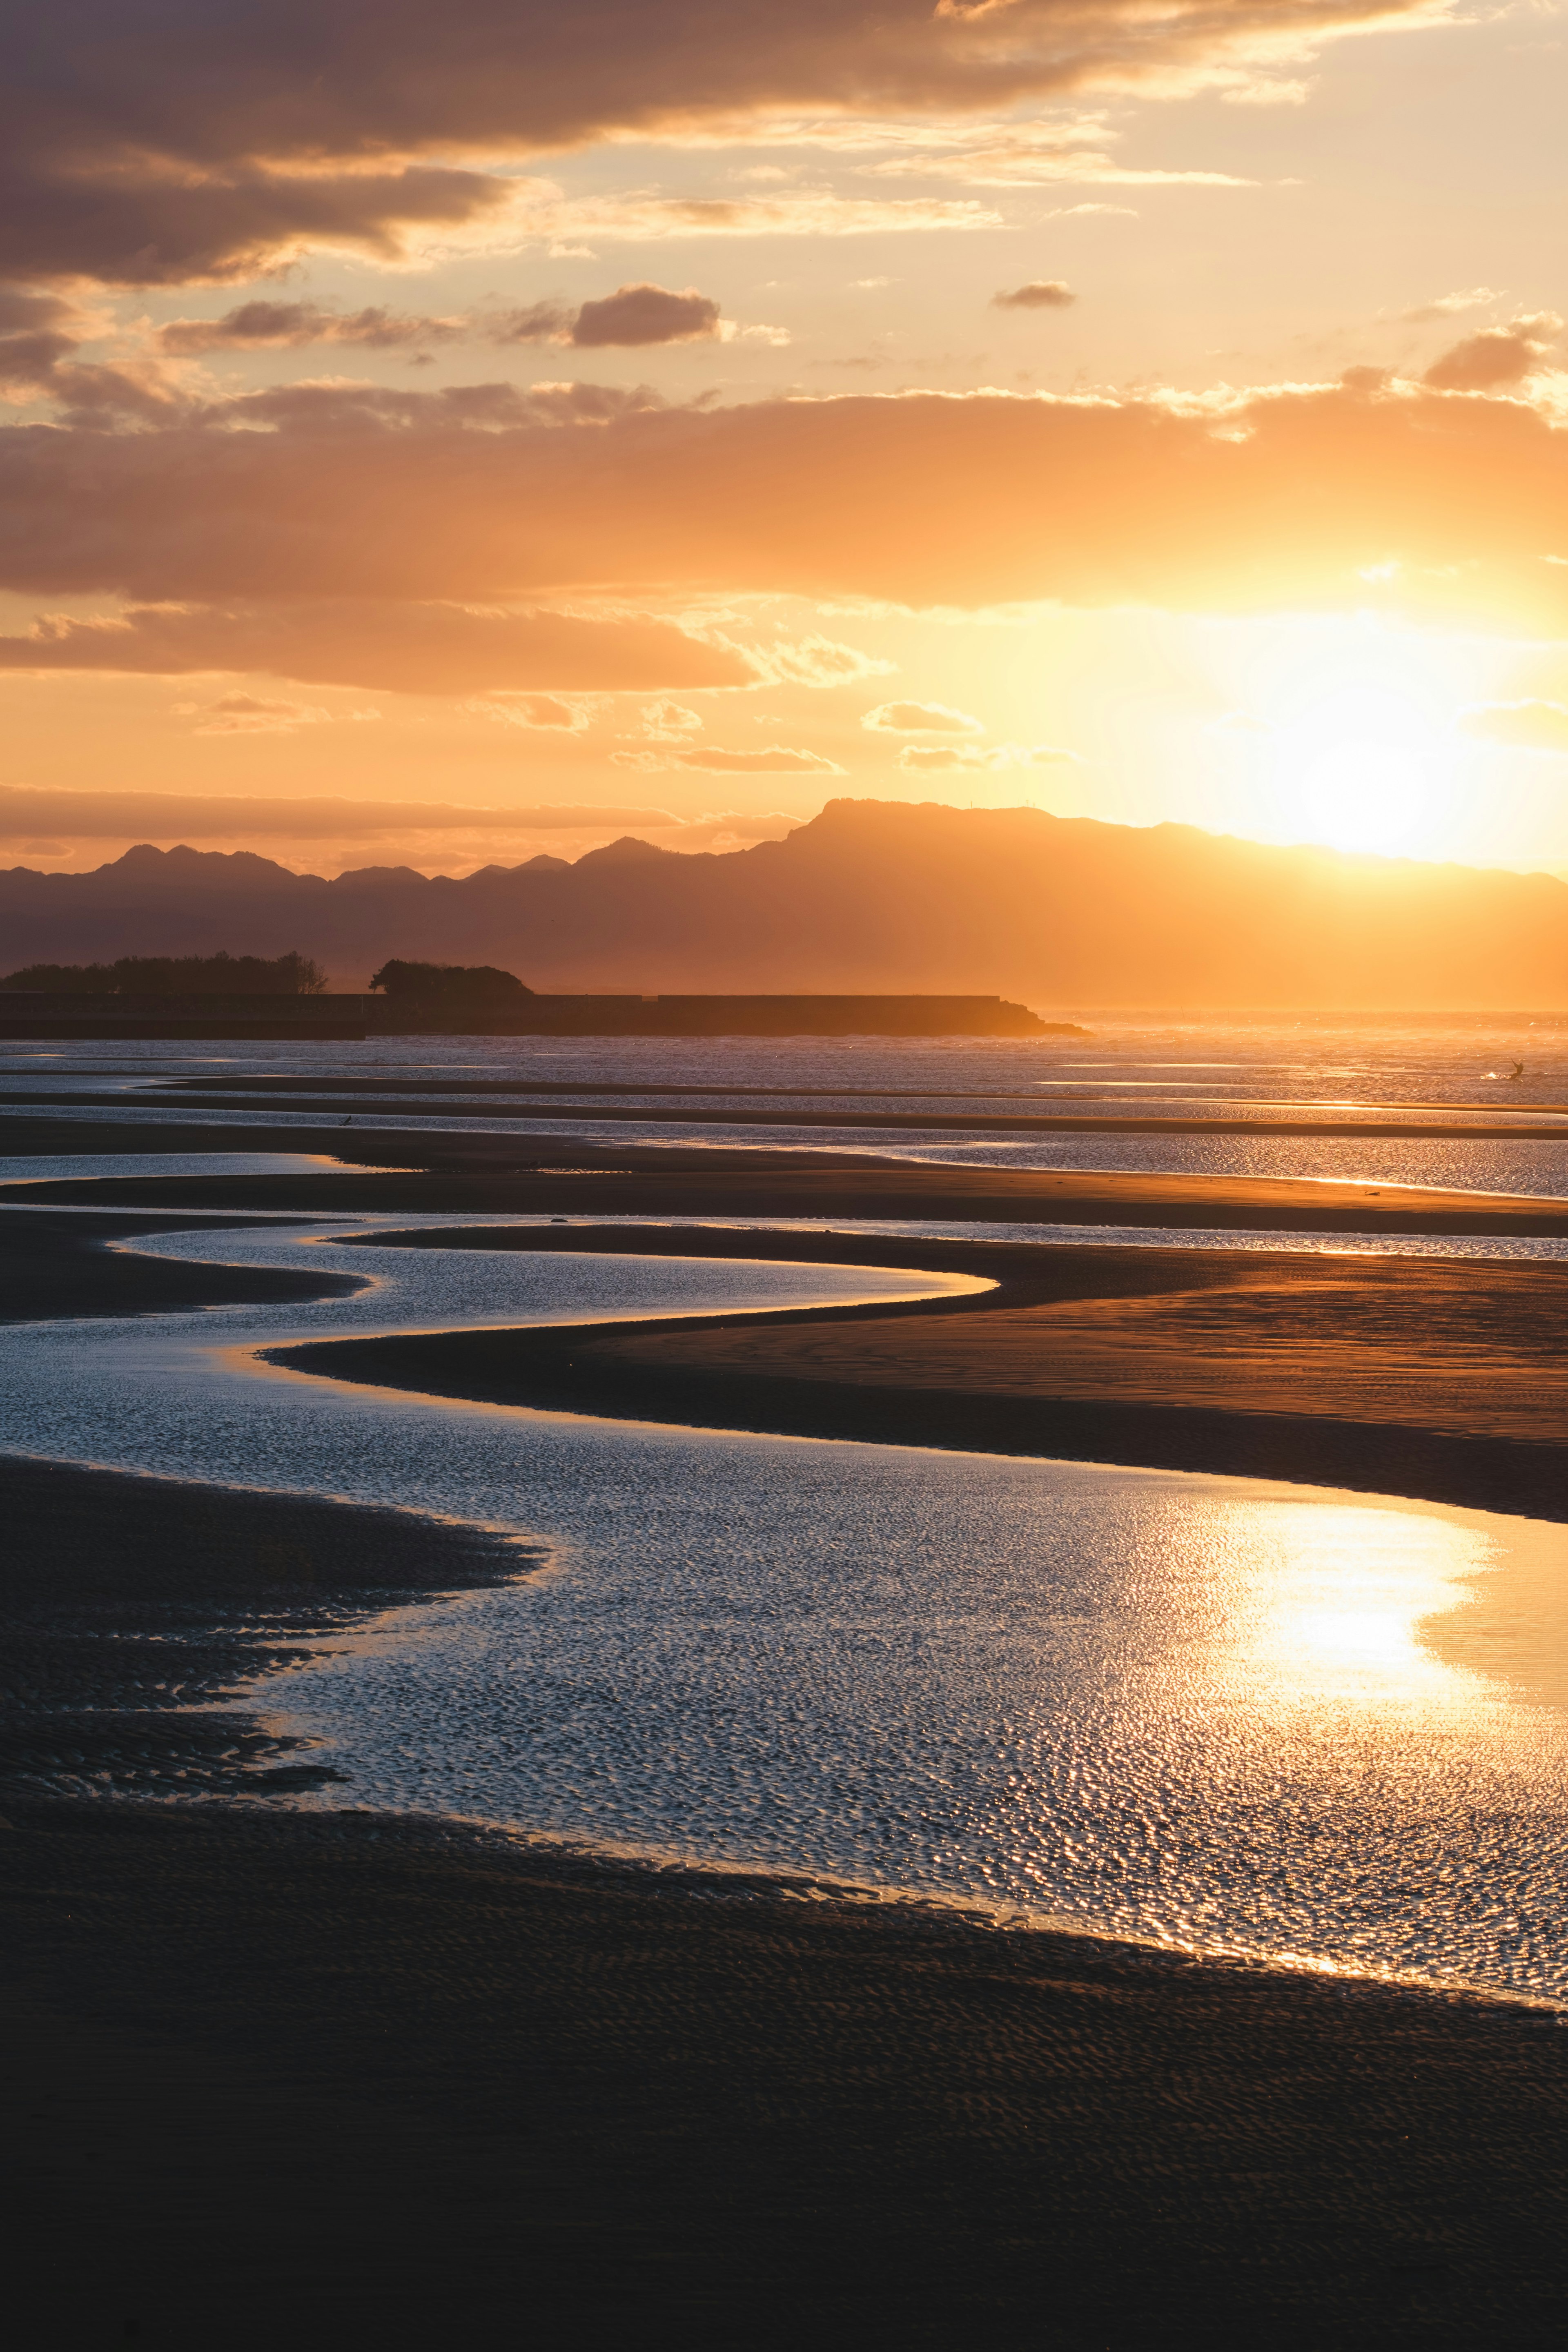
<point x="975" y="759"/>
<point x="775" y="759"/>
<point x="921" y="718"/>
<point x="546" y="710"/>
<point x="249" y="714"/>
<point x="1497" y="357"/>
<point x="151" y="143"/>
<point x="1039" y="294"/>
<point x="404" y="648"/>
<point x="1368" y="493"/>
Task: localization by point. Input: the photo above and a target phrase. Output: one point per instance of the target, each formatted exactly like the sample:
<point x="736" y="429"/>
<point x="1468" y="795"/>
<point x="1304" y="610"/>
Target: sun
<point x="1356" y="792"/>
<point x="1352" y="743"/>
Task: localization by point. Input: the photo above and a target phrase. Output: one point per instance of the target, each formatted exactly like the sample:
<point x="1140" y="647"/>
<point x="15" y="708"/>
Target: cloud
<point x="211" y="816"/>
<point x="1518" y="726"/>
<point x="642" y="313"/>
<point x="1029" y="155"/>
<point x="1449" y="306"/>
<point x="154" y="145"/>
<point x="1497" y="357"/>
<point x="243" y="714"/>
<point x="927" y="758"/>
<point x="921" y="718"/>
<point x="399" y="647"/>
<point x="1362" y="495"/>
<point x="634" y="315"/>
<point x="536" y="711"/>
<point x="774" y="761"/>
<point x="646" y="217"/>
<point x="1039" y="294"/>
<point x="815" y="661"/>
<point x="667" y="722"/>
<point x="288" y="326"/>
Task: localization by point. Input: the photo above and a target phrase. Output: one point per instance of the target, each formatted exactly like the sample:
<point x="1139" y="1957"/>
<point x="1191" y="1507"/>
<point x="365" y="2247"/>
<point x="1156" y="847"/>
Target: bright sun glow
<point x="1349" y="740"/>
<point x="1360" y="765"/>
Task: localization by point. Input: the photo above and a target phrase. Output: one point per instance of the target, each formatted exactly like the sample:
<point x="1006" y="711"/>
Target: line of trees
<point x="216" y="975"/>
<point x="448" y="984"/>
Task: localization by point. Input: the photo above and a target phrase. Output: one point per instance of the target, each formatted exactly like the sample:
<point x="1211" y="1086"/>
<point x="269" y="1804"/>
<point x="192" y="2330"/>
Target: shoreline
<point x="1211" y="1360"/>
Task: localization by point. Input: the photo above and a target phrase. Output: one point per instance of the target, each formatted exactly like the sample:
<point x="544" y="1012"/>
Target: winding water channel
<point x="1209" y="1711"/>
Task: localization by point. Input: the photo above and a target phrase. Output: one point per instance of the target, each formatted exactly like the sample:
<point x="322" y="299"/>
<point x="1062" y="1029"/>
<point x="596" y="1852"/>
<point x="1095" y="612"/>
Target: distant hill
<point x="870" y="895"/>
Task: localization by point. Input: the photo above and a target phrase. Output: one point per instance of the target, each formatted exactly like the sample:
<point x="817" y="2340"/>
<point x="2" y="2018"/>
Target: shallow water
<point x="1327" y="1067"/>
<point x="1214" y="1712"/>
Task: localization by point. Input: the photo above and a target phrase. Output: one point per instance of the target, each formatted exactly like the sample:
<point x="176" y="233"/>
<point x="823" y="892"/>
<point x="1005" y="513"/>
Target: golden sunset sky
<point x="438" y="435"/>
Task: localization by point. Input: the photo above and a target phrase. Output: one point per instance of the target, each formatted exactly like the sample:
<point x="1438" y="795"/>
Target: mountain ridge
<point x="870" y="895"/>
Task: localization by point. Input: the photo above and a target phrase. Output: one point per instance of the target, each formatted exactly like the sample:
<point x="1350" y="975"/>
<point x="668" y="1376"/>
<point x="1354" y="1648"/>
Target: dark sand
<point x="65" y="1266"/>
<point x="324" y="2082"/>
<point x="125" y="1601"/>
<point x="488" y="1175"/>
<point x="1440" y="1379"/>
<point x="284" y="2079"/>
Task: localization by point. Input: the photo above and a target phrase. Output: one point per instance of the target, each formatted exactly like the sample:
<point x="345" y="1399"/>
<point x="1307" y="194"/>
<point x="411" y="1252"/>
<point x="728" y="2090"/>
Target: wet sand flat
<point x="418" y="1172"/>
<point x="1443" y="1379"/>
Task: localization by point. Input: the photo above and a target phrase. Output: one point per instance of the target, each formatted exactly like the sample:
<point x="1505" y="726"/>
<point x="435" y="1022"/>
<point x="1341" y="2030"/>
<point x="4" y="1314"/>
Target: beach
<point x="430" y="2082"/>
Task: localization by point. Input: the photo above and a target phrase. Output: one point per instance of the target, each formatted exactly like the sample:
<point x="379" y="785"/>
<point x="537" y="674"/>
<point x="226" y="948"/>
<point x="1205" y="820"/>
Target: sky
<point x="442" y="436"/>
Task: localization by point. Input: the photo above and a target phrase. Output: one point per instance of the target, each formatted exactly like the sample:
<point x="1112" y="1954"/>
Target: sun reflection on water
<point x="1334" y="1594"/>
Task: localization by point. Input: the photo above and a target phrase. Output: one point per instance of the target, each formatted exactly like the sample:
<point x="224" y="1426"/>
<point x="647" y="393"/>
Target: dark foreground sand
<point x="331" y="2082"/>
<point x="283" y="2079"/>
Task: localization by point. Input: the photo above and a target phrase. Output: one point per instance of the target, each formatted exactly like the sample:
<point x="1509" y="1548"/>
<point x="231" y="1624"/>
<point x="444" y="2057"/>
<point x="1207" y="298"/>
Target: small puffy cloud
<point x="1498" y="356"/>
<point x="1518" y="726"/>
<point x="921" y="718"/>
<point x="815" y="661"/>
<point x="1449" y="306"/>
<point x="1039" y="294"/>
<point x="926" y="759"/>
<point x="643" y="313"/>
<point x="669" y="722"/>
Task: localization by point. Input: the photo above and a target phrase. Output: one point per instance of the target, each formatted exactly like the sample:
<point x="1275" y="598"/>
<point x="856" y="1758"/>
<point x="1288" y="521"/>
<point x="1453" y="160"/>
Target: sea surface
<point x="1453" y="1070"/>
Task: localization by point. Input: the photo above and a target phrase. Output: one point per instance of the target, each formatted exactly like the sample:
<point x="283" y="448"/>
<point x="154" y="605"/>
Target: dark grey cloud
<point x="159" y="141"/>
<point x="640" y="314"/>
<point x="631" y="317"/>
